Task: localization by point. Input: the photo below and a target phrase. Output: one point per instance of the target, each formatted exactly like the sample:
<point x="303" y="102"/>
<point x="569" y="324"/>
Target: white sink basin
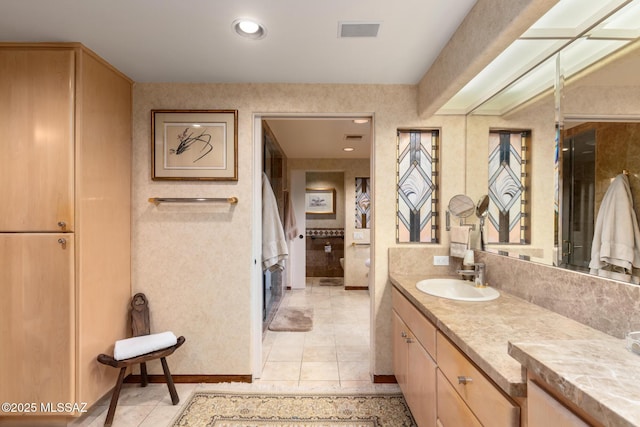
<point x="456" y="289"/>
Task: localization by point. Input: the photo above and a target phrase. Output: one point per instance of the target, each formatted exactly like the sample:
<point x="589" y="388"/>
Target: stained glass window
<point x="363" y="203"/>
<point x="416" y="219"/>
<point x="508" y="218"/>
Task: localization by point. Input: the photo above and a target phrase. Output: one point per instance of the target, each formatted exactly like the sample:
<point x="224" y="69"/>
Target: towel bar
<point x="158" y="200"/>
<point x="462" y="223"/>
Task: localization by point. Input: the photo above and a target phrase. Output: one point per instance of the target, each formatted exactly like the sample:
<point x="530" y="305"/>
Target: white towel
<point x="137" y="346"/>
<point x="290" y="226"/>
<point x="459" y="241"/>
<point x="616" y="237"/>
<point x="274" y="242"/>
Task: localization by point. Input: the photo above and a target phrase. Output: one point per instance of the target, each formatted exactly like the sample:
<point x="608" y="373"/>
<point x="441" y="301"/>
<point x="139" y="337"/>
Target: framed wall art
<point x="194" y="145"/>
<point x="320" y="201"/>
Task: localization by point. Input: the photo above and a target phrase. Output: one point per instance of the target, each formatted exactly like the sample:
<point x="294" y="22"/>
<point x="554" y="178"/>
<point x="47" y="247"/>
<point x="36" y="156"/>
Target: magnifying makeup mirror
<point x="461" y="206"/>
<point x="482" y="210"/>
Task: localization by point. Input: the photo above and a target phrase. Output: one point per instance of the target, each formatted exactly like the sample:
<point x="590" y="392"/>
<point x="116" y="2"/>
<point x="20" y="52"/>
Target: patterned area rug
<point x="292" y="319"/>
<point x="217" y="409"/>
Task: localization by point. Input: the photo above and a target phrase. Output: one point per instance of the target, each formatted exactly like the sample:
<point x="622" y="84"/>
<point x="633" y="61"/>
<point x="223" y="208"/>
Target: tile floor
<point x="334" y="355"/>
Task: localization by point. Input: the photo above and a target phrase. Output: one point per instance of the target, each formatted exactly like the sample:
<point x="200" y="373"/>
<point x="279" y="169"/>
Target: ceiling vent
<point x="353" y="137"/>
<point x="358" y="29"/>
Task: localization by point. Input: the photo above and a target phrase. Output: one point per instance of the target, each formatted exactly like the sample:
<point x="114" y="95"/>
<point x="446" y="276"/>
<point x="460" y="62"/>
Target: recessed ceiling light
<point x="361" y="121"/>
<point x="249" y="29"/>
<point x="348" y="149"/>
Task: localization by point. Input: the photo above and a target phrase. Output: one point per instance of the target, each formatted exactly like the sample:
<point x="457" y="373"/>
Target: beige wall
<point x="195" y="262"/>
<point x="328" y="179"/>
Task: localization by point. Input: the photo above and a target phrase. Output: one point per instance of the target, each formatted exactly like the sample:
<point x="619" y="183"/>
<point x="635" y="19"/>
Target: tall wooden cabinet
<point x="65" y="202"/>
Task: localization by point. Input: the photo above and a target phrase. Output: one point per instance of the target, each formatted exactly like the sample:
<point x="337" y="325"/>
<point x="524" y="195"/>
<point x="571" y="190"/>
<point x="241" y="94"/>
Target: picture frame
<point x="320" y="201"/>
<point x="194" y="145"/>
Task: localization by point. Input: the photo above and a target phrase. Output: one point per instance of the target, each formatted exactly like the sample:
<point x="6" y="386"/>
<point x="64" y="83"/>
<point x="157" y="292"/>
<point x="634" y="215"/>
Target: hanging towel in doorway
<point x="616" y="237"/>
<point x="274" y="243"/>
<point x="290" y="227"/>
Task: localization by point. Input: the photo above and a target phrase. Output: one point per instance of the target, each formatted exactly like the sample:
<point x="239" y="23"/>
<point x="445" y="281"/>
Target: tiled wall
<point x="617" y="148"/>
<point x="607" y="305"/>
<point x="319" y="262"/>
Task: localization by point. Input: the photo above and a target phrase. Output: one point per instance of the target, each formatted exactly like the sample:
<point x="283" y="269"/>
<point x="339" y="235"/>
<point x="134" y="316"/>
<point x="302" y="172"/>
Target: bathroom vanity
<point x="507" y="362"/>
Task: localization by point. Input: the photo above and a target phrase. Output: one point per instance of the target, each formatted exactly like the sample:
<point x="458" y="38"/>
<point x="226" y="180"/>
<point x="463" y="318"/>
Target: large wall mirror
<point x="590" y="123"/>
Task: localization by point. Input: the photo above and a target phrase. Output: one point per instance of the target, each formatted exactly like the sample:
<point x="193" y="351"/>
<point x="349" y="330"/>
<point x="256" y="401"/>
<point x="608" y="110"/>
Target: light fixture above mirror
<point x="584" y="31"/>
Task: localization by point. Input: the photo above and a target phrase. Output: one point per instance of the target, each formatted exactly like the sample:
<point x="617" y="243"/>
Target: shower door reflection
<point x="578" y="198"/>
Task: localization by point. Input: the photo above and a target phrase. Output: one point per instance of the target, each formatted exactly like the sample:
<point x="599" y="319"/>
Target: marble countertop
<point x="507" y="335"/>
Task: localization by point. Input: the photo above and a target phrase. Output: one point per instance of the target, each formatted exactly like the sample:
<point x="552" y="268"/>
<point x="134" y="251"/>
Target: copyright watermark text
<point x="43" y="407"/>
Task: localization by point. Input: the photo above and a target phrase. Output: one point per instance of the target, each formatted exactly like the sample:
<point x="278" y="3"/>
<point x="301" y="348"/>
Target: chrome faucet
<point x="478" y="272"/>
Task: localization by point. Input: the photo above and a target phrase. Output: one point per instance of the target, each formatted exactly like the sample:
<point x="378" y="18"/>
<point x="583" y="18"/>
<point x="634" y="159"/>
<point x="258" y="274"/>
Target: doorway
<point x="311" y="144"/>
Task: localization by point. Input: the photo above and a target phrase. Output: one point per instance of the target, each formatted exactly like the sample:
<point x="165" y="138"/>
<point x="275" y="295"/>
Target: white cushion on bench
<point x="137" y="346"/>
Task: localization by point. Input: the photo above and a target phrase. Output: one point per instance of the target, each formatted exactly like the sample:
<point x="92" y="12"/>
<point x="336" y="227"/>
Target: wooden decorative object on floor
<point x="140" y="349"/>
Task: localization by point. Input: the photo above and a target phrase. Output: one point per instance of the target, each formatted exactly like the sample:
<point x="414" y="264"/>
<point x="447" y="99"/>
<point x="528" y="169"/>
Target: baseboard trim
<point x="384" y="379"/>
<point x="356" y="288"/>
<point x="192" y="379"/>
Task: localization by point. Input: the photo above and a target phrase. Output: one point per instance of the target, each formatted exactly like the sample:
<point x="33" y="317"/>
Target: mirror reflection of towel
<point x="459" y="241"/>
<point x="616" y="237"/>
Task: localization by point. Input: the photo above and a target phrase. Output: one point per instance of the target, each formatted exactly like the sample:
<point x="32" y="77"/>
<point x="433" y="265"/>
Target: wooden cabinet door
<point x="486" y="401"/>
<point x="452" y="411"/>
<point x="421" y="395"/>
<point x="400" y="352"/>
<point x="415" y="372"/>
<point x="36" y="318"/>
<point x="36" y="139"/>
<point x="545" y="411"/>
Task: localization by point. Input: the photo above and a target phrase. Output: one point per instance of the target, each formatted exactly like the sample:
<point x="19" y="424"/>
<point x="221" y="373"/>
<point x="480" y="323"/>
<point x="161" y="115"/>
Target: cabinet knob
<point x="464" y="380"/>
<point x="62" y="224"/>
<point x="63" y="242"/>
<point x="403" y="334"/>
<point x="409" y="340"/>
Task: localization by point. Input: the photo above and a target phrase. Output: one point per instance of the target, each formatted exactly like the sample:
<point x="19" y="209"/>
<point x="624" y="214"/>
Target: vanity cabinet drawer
<point x="488" y="403"/>
<point x="421" y="327"/>
<point x="452" y="411"/>
<point x="545" y="410"/>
